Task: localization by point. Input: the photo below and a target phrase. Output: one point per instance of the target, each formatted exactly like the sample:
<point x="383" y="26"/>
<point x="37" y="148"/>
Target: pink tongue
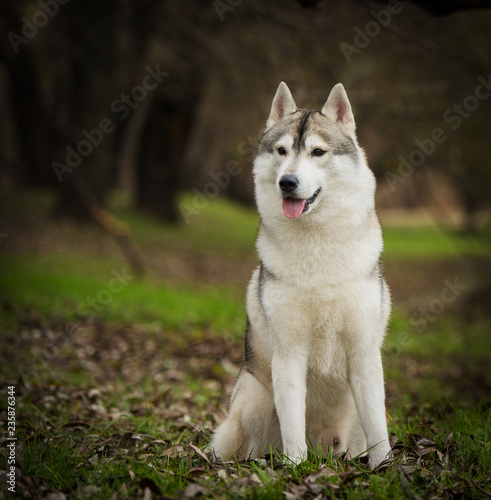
<point x="293" y="208"/>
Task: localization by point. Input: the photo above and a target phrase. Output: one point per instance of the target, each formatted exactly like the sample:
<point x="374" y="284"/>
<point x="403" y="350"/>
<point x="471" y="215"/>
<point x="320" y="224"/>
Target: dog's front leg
<point x="367" y="386"/>
<point x="289" y="374"/>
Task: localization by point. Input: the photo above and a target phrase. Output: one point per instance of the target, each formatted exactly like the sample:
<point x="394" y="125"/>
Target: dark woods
<point x="152" y="97"/>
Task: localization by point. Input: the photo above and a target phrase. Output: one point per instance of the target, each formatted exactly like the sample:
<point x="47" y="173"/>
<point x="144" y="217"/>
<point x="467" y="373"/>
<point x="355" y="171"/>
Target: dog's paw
<point x="378" y="454"/>
<point x="295" y="457"/>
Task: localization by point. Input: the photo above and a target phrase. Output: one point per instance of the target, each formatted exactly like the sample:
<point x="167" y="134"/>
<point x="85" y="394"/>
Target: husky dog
<point x="317" y="304"/>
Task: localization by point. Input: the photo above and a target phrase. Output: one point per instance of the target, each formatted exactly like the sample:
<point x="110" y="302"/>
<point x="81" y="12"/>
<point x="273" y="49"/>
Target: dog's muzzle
<point x="295" y="207"/>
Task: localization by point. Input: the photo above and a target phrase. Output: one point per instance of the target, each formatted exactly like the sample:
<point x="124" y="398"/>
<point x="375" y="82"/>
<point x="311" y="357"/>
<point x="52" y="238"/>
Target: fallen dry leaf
<point x="173" y="450"/>
<point x="199" y="452"/>
<point x="195" y="489"/>
<point x="322" y="472"/>
<point x="195" y="472"/>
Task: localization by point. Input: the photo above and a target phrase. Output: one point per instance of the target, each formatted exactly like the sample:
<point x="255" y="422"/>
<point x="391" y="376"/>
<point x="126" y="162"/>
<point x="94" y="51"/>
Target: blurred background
<point x="66" y="66"/>
<point x="128" y="134"/>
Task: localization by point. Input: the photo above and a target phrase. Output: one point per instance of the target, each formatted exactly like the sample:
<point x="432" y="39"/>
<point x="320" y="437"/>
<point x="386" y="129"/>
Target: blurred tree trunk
<point x="162" y="152"/>
<point x="70" y="203"/>
<point x="130" y="139"/>
<point x="33" y="129"/>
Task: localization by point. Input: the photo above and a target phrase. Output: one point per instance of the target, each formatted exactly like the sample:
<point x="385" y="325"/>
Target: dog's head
<point x="309" y="161"/>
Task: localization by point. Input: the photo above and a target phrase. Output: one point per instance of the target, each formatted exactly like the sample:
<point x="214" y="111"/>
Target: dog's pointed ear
<point x="283" y="104"/>
<point x="338" y="109"/>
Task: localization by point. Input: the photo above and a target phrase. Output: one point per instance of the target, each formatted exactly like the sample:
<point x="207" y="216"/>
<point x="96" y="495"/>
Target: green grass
<point x="53" y="462"/>
<point x="229" y="230"/>
<point x="472" y="432"/>
<point x="430" y="243"/>
<point x="226" y="228"/>
<point x="53" y="285"/>
<point x="436" y="363"/>
<point x="457" y="447"/>
<point x="222" y="226"/>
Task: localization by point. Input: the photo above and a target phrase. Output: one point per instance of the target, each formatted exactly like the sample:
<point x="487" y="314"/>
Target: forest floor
<point x="118" y="382"/>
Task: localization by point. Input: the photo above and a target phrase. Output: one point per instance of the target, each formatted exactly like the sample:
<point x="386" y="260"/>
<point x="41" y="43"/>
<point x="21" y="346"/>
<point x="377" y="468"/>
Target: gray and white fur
<point x="317" y="304"/>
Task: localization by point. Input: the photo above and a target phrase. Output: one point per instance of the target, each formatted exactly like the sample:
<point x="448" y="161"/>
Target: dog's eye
<point x="281" y="151"/>
<point x="318" y="152"/>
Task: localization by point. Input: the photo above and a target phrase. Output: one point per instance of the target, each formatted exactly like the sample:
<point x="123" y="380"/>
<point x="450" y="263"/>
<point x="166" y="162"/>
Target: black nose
<point x="288" y="183"/>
